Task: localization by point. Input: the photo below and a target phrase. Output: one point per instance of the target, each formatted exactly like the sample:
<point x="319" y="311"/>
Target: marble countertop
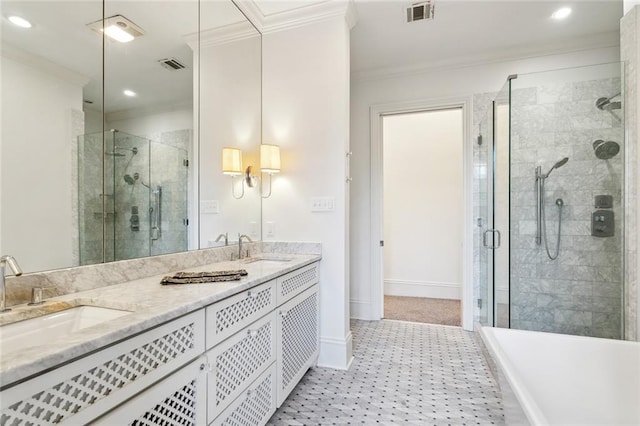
<point x="151" y="304"/>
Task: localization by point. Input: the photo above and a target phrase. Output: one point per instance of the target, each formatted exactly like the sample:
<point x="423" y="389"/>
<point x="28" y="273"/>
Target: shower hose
<point x="560" y="204"/>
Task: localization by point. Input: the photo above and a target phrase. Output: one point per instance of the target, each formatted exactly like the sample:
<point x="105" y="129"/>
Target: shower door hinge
<point x="479" y="303"/>
<point x="185" y="222"/>
<point x="381" y="243"/>
<point x="185" y="163"/>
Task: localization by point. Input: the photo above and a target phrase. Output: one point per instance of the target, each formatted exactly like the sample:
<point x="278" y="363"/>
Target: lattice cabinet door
<point x="255" y="406"/>
<point x="82" y="390"/>
<point x="238" y="361"/>
<point x="230" y="315"/>
<point x="298" y="340"/>
<point x="295" y="282"/>
<point x="180" y="399"/>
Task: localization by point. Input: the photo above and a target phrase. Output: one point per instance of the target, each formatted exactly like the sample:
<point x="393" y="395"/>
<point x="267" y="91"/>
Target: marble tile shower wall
<point x="156" y="163"/>
<point x="581" y="291"/>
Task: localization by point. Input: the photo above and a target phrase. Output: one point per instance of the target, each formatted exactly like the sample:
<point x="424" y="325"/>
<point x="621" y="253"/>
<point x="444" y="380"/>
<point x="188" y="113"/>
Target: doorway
<point x="423" y="215"/>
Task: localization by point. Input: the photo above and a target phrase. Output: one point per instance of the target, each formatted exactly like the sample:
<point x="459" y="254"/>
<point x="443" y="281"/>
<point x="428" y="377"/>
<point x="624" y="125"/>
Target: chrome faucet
<point x="7" y="260"/>
<point x="226" y="238"/>
<point x="240" y="237"/>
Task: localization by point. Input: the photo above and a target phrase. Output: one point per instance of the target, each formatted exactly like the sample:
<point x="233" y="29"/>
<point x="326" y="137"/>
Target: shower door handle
<point x="495" y="233"/>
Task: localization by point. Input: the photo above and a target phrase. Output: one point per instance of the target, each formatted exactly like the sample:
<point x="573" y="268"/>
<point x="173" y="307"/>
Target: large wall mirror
<point x="111" y="145"/>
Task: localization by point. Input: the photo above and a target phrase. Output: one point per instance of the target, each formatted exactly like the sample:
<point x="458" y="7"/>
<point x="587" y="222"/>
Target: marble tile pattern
<point x="150" y="302"/>
<point x="580" y="292"/>
<point x="60" y="282"/>
<point x="629" y="27"/>
<point x="402" y="373"/>
<point x="158" y="162"/>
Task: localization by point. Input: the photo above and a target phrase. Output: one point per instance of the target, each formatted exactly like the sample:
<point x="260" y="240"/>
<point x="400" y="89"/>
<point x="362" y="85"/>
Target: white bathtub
<point x="557" y="379"/>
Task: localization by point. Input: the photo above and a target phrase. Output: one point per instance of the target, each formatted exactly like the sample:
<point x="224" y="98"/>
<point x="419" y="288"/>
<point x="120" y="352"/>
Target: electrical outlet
<point x="271" y="229"/>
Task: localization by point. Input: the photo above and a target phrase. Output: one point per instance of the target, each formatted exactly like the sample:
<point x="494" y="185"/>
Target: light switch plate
<point x="323" y="204"/>
<point x="209" y="206"/>
<point x="271" y="229"/>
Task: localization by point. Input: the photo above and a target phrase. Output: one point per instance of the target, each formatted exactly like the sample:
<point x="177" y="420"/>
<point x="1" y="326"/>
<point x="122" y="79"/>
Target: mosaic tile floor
<point x="403" y="373"/>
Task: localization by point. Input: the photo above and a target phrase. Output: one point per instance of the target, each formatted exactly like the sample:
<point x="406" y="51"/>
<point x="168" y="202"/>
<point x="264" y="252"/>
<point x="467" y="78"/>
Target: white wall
<point x="442" y="83"/>
<point x="423" y="204"/>
<point x="306" y="112"/>
<point x="37" y="229"/>
<point x="230" y="115"/>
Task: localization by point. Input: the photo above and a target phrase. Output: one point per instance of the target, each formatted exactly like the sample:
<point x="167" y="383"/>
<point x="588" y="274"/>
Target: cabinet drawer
<point x="295" y="282"/>
<point x="255" y="406"/>
<point x="230" y="315"/>
<point x="238" y="361"/>
<point x="84" y="389"/>
<point x="298" y="340"/>
<point x="180" y="399"/>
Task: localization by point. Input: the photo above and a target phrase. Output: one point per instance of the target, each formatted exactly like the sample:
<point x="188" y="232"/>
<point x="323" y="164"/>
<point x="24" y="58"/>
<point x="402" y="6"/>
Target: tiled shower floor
<point x="403" y="373"/>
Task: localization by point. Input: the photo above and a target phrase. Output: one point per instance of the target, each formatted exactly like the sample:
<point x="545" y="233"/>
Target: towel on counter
<point x="203" y="277"/>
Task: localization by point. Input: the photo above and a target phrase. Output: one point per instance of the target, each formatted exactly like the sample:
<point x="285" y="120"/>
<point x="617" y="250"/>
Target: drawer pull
<point x="249" y="294"/>
<point x="251" y="393"/>
<point x="205" y="366"/>
<point x="252" y="333"/>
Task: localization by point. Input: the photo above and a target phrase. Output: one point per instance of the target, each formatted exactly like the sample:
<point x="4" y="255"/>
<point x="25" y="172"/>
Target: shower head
<point x="557" y="165"/>
<point x="605" y="104"/>
<point x="606" y="150"/>
<point x="129" y="179"/>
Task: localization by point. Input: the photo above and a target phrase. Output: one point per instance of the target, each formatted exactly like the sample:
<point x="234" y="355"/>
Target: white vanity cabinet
<point x="231" y="363"/>
<point x="298" y="340"/>
<point x="83" y="390"/>
<point x="180" y="399"/>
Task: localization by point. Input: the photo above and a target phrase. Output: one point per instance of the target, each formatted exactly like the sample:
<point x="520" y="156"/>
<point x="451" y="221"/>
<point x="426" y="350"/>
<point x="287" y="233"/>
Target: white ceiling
<point x="381" y="41"/>
<point x="466" y="30"/>
<point x="60" y="35"/>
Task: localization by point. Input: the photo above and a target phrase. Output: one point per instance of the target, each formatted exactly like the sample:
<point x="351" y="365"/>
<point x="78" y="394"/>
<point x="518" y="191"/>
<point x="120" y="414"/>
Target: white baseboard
<point x="423" y="289"/>
<point x="336" y="353"/>
<point x="362" y="310"/>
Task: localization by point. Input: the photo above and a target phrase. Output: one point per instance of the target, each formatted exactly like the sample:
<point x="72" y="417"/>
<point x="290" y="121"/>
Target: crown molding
<point x="221" y="35"/>
<point x="571" y="45"/>
<point x="298" y="17"/>
<point x="44" y="65"/>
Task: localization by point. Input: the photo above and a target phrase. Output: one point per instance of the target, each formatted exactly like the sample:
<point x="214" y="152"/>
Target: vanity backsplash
<point x="72" y="280"/>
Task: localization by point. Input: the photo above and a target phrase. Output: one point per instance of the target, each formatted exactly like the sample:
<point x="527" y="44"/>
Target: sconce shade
<point x="269" y="158"/>
<point x="231" y="161"/>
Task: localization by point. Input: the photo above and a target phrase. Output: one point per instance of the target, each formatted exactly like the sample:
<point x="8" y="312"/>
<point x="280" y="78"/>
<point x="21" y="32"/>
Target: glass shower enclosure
<point x="132" y="197"/>
<point x="549" y="184"/>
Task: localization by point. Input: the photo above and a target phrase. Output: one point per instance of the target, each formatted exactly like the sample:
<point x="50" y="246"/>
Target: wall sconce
<point x="232" y="166"/>
<point x="269" y="162"/>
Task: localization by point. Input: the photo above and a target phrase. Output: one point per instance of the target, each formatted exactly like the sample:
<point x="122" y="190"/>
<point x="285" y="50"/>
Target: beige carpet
<point x="422" y="309"/>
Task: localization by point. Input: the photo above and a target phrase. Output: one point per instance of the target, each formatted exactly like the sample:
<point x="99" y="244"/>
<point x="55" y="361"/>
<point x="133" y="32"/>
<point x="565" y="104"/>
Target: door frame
<point x="377" y="112"/>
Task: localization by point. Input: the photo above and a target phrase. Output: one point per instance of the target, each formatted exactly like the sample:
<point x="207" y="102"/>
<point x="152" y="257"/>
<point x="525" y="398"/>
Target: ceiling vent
<point x="421" y="11"/>
<point x="172" y="64"/>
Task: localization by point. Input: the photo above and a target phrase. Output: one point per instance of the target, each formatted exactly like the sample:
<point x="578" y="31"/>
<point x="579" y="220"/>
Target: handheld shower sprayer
<point x="556" y="166"/>
<point x="541" y="231"/>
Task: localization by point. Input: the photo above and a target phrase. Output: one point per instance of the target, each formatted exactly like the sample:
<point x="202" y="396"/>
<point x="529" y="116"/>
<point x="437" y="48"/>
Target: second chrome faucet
<point x="240" y="237"/>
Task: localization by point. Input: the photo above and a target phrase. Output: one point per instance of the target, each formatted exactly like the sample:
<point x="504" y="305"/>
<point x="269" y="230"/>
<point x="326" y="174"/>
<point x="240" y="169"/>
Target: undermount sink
<point x="47" y="329"/>
<point x="267" y="259"/>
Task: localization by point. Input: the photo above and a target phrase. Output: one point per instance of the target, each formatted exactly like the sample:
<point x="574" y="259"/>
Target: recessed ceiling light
<point x="20" y="22"/>
<point x="561" y="13"/>
<point x="129" y="93"/>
